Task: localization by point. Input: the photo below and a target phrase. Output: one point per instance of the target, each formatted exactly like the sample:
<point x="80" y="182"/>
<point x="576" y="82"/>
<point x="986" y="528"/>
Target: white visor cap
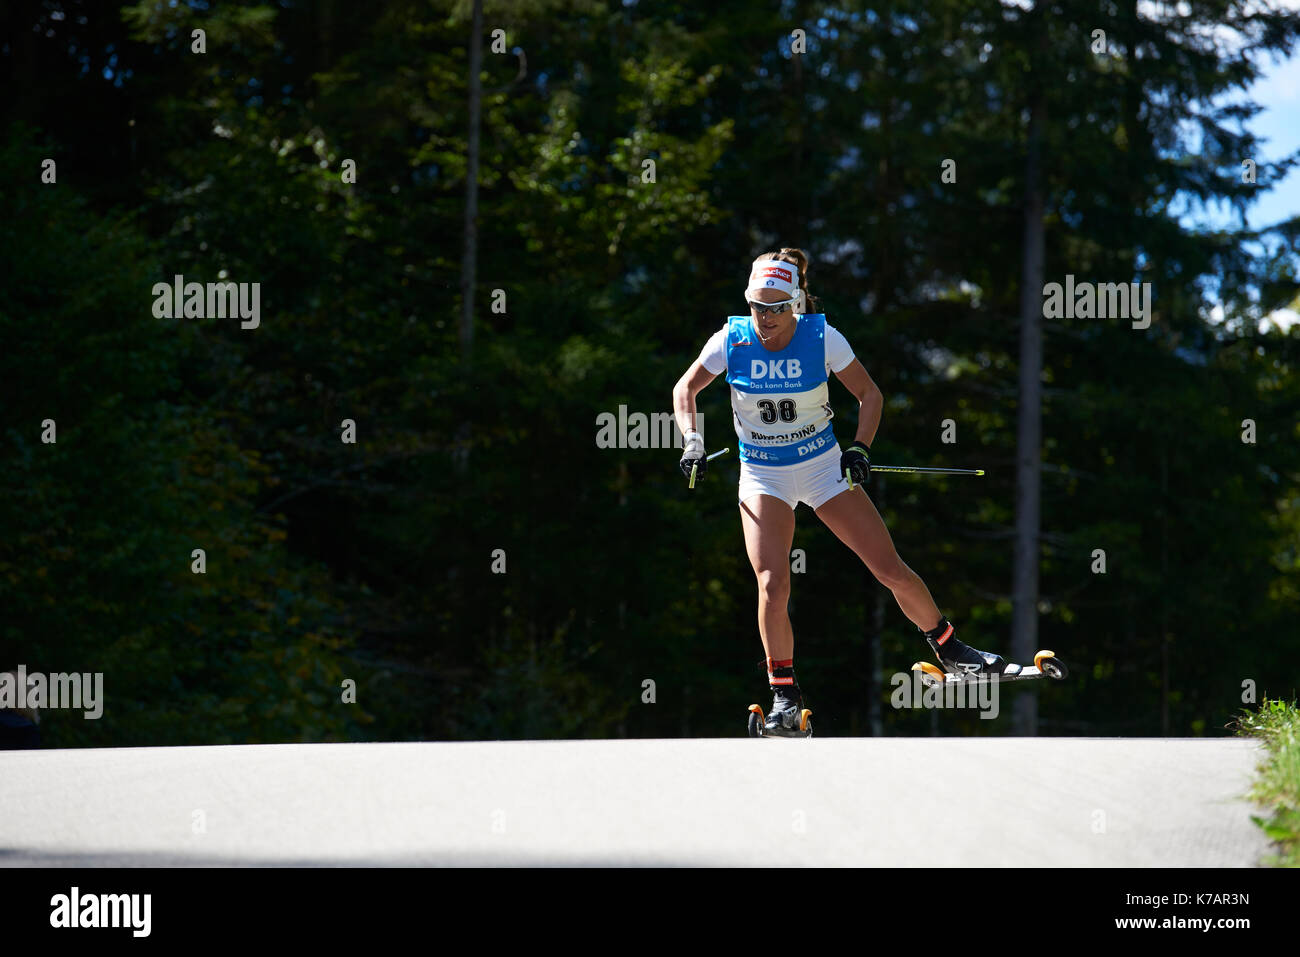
<point x="776" y="274"/>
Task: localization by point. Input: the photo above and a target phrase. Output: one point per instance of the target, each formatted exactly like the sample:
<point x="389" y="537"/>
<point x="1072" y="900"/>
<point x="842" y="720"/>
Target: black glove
<point x="693" y="454"/>
<point x="856" y="459"/>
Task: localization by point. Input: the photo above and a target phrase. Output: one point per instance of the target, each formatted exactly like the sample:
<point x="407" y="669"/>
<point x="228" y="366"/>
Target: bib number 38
<point x="769" y="410"/>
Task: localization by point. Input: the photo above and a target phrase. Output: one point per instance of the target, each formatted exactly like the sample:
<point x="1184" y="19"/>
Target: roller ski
<point x="788" y="717"/>
<point x="774" y="725"/>
<point x="959" y="663"/>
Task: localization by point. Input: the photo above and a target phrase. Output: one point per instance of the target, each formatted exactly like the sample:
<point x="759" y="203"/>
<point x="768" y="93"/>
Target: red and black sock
<point x="780" y="676"/>
<point x="941" y="632"/>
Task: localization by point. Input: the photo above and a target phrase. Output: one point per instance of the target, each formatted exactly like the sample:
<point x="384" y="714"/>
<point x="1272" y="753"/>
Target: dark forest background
<point x="372" y="561"/>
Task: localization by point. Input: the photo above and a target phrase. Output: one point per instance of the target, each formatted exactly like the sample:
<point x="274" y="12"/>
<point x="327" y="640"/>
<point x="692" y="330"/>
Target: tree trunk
<point x="1029" y="426"/>
<point x="325" y="33"/>
<point x="24" y="53"/>
<point x="874" y="686"/>
<point x="798" y="120"/>
<point x="1164" y="604"/>
<point x="469" y="261"/>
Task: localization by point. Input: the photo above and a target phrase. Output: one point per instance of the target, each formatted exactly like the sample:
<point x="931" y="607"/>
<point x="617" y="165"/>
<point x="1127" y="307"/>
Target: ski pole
<point x="914" y="468"/>
<point x="707" y="458"/>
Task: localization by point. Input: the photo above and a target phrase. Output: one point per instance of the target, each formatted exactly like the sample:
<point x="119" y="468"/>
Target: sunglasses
<point x="774" y="307"/>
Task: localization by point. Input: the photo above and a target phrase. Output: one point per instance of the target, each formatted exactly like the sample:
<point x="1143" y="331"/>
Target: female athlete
<point x="778" y="359"/>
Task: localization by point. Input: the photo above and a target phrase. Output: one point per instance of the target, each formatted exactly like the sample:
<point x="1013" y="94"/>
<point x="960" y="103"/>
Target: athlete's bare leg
<point x="853" y="518"/>
<point x="769" y="532"/>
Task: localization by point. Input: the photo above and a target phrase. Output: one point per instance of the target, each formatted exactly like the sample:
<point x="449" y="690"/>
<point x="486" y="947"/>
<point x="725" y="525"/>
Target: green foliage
<point x="99" y="526"/>
<point x="1277" y="725"/>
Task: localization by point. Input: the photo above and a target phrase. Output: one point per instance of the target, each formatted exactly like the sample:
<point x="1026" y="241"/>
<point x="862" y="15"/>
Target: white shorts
<point x="814" y="482"/>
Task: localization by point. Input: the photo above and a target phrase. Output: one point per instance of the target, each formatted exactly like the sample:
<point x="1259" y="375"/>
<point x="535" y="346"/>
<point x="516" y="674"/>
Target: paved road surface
<point x="833" y="801"/>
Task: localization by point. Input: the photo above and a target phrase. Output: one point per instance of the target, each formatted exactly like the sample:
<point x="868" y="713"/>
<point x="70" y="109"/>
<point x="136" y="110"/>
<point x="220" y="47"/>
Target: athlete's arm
<point x="871" y="401"/>
<point x="685" y="391"/>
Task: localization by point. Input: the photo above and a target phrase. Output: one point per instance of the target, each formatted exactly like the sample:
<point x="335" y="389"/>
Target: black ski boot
<point x="787" y="703"/>
<point x="960" y="658"/>
<point x="787" y="700"/>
